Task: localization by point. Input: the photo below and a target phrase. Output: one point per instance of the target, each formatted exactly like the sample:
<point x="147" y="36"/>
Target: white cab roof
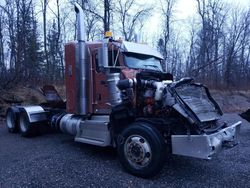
<point x="140" y="49"/>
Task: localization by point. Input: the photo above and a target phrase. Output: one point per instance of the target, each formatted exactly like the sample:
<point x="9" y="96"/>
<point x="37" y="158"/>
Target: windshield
<point x="139" y="61"/>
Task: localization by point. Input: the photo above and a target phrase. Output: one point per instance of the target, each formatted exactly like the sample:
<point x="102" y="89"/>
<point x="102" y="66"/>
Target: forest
<point x="214" y="48"/>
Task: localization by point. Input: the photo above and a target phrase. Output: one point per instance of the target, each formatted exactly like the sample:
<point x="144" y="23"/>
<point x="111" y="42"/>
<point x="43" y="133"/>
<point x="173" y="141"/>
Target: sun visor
<point x="140" y="49"/>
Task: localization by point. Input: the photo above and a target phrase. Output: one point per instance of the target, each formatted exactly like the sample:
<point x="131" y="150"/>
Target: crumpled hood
<point x="195" y="98"/>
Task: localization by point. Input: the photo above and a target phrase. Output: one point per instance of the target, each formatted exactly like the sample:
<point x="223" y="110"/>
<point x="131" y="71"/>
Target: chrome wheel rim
<point x="137" y="151"/>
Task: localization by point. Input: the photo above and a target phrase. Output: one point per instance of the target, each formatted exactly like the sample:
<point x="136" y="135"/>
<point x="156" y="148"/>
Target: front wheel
<point x="141" y="150"/>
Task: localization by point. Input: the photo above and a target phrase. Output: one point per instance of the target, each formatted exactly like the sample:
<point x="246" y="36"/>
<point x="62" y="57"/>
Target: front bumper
<point x="205" y="146"/>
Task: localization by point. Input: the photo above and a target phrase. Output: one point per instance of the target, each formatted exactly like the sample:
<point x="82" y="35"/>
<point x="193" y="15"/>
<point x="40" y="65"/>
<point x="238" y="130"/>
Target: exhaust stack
<point x="81" y="60"/>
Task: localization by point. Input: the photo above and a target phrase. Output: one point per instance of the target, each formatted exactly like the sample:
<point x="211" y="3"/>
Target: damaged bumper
<point x="205" y="146"/>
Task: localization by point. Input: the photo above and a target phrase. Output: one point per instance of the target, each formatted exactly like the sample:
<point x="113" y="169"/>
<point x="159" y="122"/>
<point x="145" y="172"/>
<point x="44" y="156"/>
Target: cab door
<point x="100" y="87"/>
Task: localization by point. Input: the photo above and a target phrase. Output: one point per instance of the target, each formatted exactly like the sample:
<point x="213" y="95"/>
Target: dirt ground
<point x="232" y="101"/>
<point x="24" y="95"/>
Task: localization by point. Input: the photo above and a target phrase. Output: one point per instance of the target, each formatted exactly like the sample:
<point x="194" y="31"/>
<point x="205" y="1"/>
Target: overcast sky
<point x="183" y="12"/>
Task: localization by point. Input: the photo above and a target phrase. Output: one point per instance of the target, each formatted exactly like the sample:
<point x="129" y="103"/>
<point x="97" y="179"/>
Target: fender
<point x="35" y="113"/>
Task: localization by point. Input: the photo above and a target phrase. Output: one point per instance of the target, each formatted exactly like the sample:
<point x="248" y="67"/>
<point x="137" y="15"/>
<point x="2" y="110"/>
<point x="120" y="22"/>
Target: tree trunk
<point x="45" y="3"/>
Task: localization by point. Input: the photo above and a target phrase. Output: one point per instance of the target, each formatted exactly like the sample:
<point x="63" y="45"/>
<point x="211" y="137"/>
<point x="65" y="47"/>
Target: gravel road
<point x="55" y="160"/>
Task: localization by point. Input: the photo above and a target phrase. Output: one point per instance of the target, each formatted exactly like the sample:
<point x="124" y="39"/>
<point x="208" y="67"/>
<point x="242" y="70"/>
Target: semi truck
<point x="118" y="95"/>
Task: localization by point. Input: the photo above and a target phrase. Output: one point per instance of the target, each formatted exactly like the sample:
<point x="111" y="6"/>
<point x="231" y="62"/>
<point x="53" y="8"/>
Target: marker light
<point x="108" y="34"/>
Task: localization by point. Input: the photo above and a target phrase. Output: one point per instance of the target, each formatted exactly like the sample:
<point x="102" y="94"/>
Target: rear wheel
<point x="27" y="129"/>
<point x="142" y="150"/>
<point x="12" y="119"/>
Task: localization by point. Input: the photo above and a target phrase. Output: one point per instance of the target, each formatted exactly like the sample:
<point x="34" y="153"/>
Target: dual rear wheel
<point x="12" y="118"/>
<point x="17" y="121"/>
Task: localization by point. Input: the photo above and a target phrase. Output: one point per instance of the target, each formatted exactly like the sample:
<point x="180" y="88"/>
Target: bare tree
<point x="9" y="10"/>
<point x="55" y="45"/>
<point x="209" y="42"/>
<point x="60" y="45"/>
<point x="131" y="15"/>
<point x="191" y="57"/>
<point x="44" y="11"/>
<point x="219" y="49"/>
<point x="2" y="65"/>
<point x="22" y="40"/>
<point x="101" y="10"/>
<point x="92" y="20"/>
<point x="245" y="49"/>
<point x="167" y="13"/>
<point x="166" y="32"/>
<point x="107" y="15"/>
<point x="236" y="42"/>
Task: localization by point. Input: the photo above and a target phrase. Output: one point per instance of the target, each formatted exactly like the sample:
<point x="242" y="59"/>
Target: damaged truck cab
<point x="118" y="95"/>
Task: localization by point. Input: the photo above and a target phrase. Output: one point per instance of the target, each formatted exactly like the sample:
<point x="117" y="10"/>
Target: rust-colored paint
<point x="100" y="95"/>
<point x="70" y="77"/>
<point x="97" y="92"/>
<point x="129" y="73"/>
<point x="95" y="105"/>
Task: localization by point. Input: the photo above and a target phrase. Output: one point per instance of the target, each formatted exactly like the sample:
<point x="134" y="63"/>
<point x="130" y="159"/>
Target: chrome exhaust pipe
<point x="82" y="65"/>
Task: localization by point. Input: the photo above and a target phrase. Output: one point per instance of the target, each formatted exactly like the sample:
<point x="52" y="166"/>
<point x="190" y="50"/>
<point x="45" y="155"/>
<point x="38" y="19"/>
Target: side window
<point x="113" y="61"/>
<point x="113" y="58"/>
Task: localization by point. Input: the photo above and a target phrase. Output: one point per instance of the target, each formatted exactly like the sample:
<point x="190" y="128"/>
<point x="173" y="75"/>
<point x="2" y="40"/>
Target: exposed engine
<point x="145" y="92"/>
<point x="154" y="95"/>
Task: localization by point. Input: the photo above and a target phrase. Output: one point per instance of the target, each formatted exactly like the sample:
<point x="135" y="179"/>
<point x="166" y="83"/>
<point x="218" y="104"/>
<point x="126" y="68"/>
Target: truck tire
<point x="12" y="119"/>
<point x="141" y="150"/>
<point x="27" y="129"/>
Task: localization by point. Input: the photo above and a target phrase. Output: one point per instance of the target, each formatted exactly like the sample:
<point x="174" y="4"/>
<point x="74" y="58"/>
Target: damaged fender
<point x="205" y="146"/>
